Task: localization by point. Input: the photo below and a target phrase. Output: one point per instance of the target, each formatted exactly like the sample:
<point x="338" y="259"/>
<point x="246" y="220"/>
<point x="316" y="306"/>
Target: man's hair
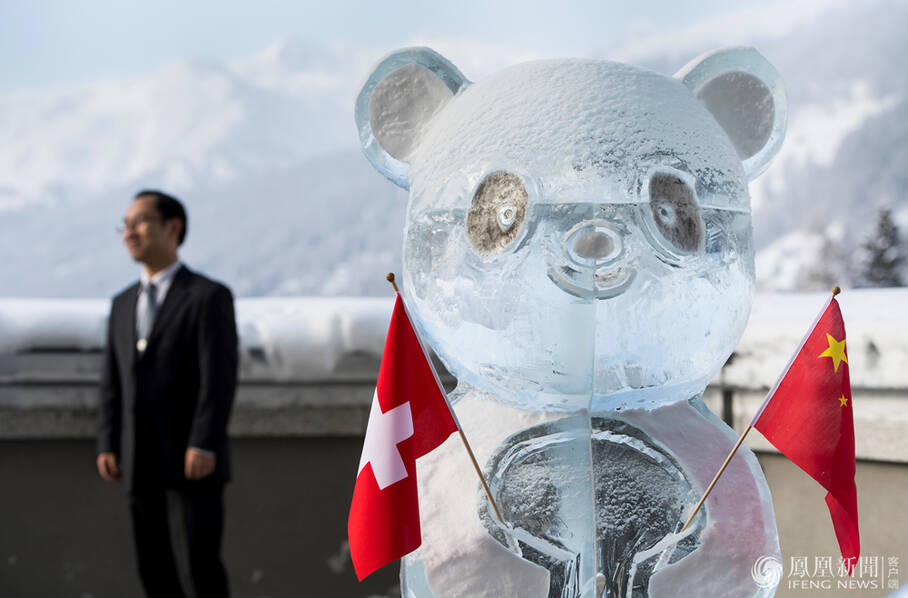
<point x="169" y="207"/>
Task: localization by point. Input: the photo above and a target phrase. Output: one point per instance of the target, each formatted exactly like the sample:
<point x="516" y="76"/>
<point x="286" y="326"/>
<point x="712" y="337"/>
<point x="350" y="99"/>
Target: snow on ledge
<point x="876" y="324"/>
<point x="58" y="324"/>
<point x="305" y="338"/>
<point x="293" y="338"/>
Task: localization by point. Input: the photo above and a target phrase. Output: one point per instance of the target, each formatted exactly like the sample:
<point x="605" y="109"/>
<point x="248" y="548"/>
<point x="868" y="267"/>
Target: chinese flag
<point x="410" y="417"/>
<point x="808" y="417"/>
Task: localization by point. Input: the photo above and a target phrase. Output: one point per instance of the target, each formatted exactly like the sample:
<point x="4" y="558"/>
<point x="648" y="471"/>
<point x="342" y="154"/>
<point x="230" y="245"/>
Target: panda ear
<point x="403" y="93"/>
<point x="746" y="96"/>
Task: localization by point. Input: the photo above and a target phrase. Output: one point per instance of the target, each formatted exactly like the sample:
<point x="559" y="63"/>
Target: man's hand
<point x="107" y="467"/>
<point x="198" y="465"/>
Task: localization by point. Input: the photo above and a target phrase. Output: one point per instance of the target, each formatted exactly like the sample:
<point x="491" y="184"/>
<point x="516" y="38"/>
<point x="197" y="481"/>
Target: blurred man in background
<point x="169" y="379"/>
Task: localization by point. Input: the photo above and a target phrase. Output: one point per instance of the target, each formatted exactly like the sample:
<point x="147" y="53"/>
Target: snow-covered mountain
<point x="263" y="151"/>
<point x="845" y="155"/>
<point x="184" y="125"/>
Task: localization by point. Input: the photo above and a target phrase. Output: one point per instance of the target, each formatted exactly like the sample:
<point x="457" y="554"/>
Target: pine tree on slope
<point x="884" y="256"/>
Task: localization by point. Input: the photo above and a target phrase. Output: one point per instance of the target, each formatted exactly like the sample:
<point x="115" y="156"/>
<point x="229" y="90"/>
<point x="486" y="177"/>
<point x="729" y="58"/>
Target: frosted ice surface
<point x="640" y="495"/>
<point x="578" y="246"/>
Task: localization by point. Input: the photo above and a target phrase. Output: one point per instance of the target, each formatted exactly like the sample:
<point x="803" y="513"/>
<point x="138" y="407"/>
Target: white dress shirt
<point x="161" y="281"/>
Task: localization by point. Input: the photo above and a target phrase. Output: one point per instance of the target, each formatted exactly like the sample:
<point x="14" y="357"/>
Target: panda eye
<point x="497" y="212"/>
<point x="675" y="212"/>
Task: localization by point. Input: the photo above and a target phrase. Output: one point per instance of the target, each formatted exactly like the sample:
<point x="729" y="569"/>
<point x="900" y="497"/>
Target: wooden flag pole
<point x="716" y="478"/>
<point x="835" y="291"/>
<point x="390" y="278"/>
<point x="482" y="478"/>
<point x="463" y="438"/>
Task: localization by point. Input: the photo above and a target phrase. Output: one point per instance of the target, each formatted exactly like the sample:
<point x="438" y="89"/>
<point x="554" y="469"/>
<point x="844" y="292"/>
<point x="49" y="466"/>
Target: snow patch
<point x="290" y="338"/>
<point x="875" y="325"/>
<point x="29" y="324"/>
<point x="781" y="265"/>
<point x="814" y="136"/>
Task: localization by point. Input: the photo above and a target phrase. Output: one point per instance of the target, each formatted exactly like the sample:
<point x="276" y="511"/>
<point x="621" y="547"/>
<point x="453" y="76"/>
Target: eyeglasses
<point x="136" y="222"/>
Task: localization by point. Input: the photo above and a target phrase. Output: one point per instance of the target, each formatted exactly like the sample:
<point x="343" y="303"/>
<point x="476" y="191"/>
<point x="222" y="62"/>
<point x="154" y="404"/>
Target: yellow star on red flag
<point x="836" y="351"/>
<point x="809" y="417"/>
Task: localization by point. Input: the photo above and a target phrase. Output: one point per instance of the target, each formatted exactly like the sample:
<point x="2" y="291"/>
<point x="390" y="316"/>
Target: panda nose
<point x="593" y="243"/>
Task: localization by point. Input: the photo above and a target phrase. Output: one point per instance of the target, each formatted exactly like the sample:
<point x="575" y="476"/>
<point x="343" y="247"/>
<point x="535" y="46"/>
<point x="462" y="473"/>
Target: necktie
<point x="146" y="315"/>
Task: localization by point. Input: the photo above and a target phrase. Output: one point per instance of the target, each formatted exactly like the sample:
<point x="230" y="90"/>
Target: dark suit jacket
<point x="178" y="393"/>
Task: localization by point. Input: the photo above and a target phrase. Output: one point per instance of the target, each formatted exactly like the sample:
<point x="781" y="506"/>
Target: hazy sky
<point x="52" y="42"/>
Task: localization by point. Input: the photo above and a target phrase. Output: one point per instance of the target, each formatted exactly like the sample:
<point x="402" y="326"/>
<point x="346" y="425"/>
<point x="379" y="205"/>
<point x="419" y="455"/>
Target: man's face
<point x="146" y="235"/>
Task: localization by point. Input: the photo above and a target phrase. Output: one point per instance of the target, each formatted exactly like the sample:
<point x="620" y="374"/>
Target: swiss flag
<point x="808" y="417"/>
<point x="410" y="417"/>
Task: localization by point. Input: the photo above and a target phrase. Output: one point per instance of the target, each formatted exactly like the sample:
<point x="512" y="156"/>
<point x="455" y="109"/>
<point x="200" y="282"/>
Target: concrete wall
<point x="296" y="448"/>
<point x="805" y="530"/>
<point x="63" y="532"/>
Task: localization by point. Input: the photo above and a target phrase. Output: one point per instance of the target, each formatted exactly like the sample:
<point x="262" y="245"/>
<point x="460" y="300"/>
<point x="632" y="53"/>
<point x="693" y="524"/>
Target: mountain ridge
<point x="259" y="146"/>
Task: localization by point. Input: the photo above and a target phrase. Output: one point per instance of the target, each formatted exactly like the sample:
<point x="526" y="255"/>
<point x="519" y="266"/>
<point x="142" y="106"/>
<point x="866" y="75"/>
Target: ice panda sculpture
<point x="578" y="251"/>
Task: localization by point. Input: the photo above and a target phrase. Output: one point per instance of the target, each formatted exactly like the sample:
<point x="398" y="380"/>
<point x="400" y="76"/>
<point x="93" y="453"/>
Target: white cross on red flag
<point x="410" y="417"/>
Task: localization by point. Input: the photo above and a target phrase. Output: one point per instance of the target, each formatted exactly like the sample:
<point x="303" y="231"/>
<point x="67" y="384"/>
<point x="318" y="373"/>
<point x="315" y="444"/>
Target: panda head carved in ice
<point x="577" y="228"/>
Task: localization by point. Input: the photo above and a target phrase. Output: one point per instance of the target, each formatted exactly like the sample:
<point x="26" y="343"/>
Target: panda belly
<point x="592" y="507"/>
